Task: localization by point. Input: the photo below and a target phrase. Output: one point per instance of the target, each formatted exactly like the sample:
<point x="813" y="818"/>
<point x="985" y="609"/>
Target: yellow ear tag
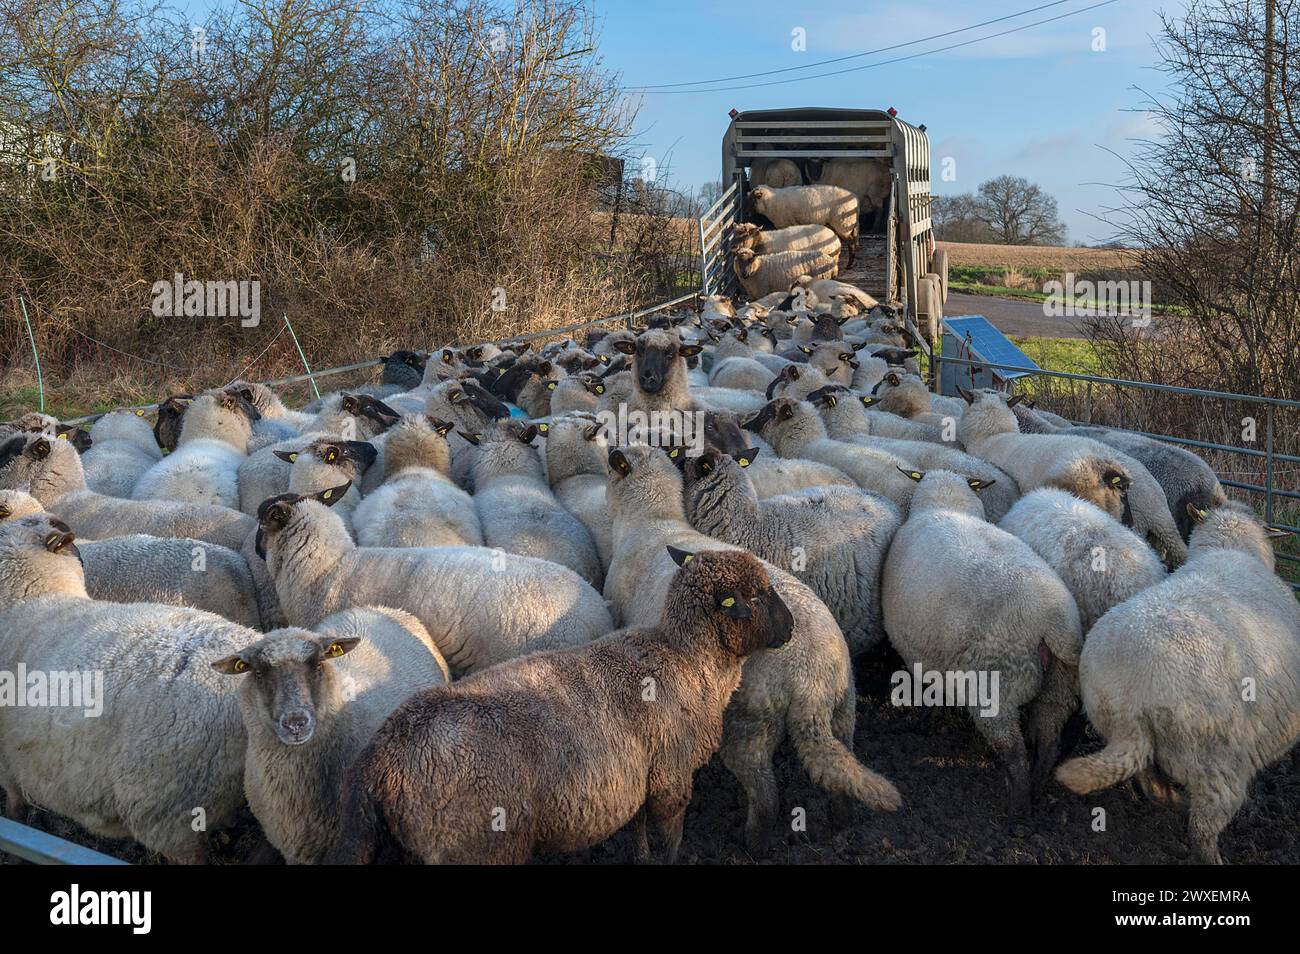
<point x="550" y="385"/>
<point x="688" y="558"/>
<point x="917" y="475"/>
<point x="327" y="495"/>
<point x="331" y="457"/>
<point x="63" y="436"/>
<point x="706" y="466"/>
<point x="239" y="665"/>
<point x="729" y="602"/>
<point x="831" y="401"/>
<point x="335" y="650"/>
<point x="293" y="457"/>
<point x="543" y="428"/>
<point x="603" y="358"/>
<point x="51" y="539"/>
<point x="806" y="350"/>
<point x="673" y="453"/>
<point x="600" y="389"/>
<point x="478" y="437"/>
<point x="446" y="356"/>
<point x="744" y="462"/>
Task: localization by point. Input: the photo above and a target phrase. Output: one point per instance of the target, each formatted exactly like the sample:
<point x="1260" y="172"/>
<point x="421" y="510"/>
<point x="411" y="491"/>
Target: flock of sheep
<point x="510" y="600"/>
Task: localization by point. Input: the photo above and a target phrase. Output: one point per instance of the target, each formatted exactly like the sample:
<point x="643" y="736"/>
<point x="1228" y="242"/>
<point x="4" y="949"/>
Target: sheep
<point x="827" y="205"/>
<point x="344" y="416"/>
<point x="272" y="409"/>
<point x="847" y="416"/>
<point x="204" y="468"/>
<point x="404" y="369"/>
<point x="577" y="392"/>
<point x="481" y="606"/>
<point x="325" y="463"/>
<point x="988" y="429"/>
<point x="172" y="571"/>
<point x="575" y="467"/>
<point x="114" y="467"/>
<point x="770" y="475"/>
<point x="51" y="472"/>
<point x="1181" y="474"/>
<point x="962" y="596"/>
<point x="777" y="173"/>
<point x="569" y="767"/>
<point x="828" y="288"/>
<point x="794" y="429"/>
<point x="869" y="180"/>
<point x="141" y="757"/>
<point x="760" y="274"/>
<point x="658" y="371"/>
<point x="1101" y="562"/>
<point x="805" y="691"/>
<point x="797" y="238"/>
<point x="833" y="539"/>
<point x="1164" y="676"/>
<point x="418" y="504"/>
<point x="469" y="406"/>
<point x="167" y="425"/>
<point x="128" y="426"/>
<point x="310" y="703"/>
<point x="516" y="507"/>
<point x="906" y="395"/>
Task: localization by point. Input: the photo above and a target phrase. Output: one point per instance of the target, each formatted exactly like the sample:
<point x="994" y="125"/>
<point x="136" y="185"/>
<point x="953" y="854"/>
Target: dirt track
<point x="954" y="808"/>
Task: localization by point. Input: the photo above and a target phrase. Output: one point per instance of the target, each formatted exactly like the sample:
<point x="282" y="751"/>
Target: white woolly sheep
<point x="827" y="205"/>
<point x="760" y="274"/>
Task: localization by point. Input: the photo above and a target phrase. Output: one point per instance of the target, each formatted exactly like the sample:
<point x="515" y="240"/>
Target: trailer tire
<point x="941" y="269"/>
<point x="929" y="306"/>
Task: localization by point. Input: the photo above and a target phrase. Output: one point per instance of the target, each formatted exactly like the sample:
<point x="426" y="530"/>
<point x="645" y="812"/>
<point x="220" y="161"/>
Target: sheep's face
<point x="404" y="369"/>
<point x="657" y="356"/>
<point x="373" y="416"/>
<point x="277" y="514"/>
<point x="746" y="262"/>
<point x="760" y="197"/>
<point x="327" y="463"/>
<point x="729" y="594"/>
<point x="167" y="428"/>
<point x="779" y="418"/>
<point x="467" y="402"/>
<point x="290" y="681"/>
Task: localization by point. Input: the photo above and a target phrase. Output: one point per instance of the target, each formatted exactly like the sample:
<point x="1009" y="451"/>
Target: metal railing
<point x="32" y="844"/>
<point x="1270" y="456"/>
<point x="716" y="226"/>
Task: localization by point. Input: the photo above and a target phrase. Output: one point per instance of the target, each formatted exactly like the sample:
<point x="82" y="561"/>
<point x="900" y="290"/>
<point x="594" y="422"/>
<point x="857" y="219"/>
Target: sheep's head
<point x="714" y="471"/>
<point x="418" y="440"/>
<point x="277" y="514"/>
<point x="1230" y="526"/>
<point x="28" y="461"/>
<point x="288" y="684"/>
<point x="38" y="555"/>
<point x="373" y="414"/>
<point x="944" y="490"/>
<point x="789" y="374"/>
<point x="17" y="503"/>
<point x="404" y="368"/>
<point x="784" y="416"/>
<point x="727" y="597"/>
<point x="329" y="461"/>
<point x="643" y="481"/>
<point x="657" y="356"/>
<point x="167" y="427"/>
<point x="760" y="197"/>
<point x="745" y="262"/>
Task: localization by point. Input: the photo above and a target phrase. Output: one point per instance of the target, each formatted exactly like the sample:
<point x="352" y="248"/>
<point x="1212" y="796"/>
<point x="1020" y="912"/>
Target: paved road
<point x="1011" y="316"/>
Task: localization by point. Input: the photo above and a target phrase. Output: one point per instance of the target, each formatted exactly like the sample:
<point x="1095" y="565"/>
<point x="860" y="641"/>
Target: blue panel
<point x="990" y="344"/>
<point x="45" y="849"/>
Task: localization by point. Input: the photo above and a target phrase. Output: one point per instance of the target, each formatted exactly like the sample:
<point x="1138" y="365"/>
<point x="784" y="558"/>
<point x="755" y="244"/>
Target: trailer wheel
<point x="929" y="306"/>
<point x="941" y="269"/>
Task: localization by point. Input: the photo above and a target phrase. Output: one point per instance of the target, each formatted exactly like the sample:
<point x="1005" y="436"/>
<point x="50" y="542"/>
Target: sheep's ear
<point x="978" y="485"/>
<point x="472" y="438"/>
<point x="912" y="474"/>
<point x="448" y="356"/>
<point x="618" y="463"/>
<point x="712" y="336"/>
<point x="441" y="427"/>
<point x="332" y="647"/>
<point x="966" y="396"/>
<point x="786" y="412"/>
<point x="1195" y="512"/>
<point x="676" y="454"/>
<point x="331" y="453"/>
<point x="332" y="495"/>
<point x="528" y="434"/>
<point x="680" y="557"/>
<point x="1014" y="400"/>
<point x="603" y="358"/>
<point x="733" y="604"/>
<point x="690" y="350"/>
<point x="805" y="349"/>
<point x="1119" y="479"/>
<point x="41" y="449"/>
<point x="552" y="385"/>
<point x="746" y="457"/>
<point x="590" y="431"/>
<point x="235" y="665"/>
<point x="1276" y="533"/>
<point x="625" y="347"/>
<point x="287" y="456"/>
<point x="869" y="399"/>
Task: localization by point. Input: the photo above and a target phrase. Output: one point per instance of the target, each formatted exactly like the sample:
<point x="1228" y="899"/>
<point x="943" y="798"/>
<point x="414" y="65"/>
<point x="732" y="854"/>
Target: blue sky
<point x="1039" y="103"/>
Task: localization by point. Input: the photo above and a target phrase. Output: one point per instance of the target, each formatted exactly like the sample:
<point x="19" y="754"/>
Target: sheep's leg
<point x="15" y="805"/>
<point x="1156" y="787"/>
<point x="747" y="753"/>
<point x="1212" y="807"/>
<point x="669" y="813"/>
<point x="843" y="722"/>
<point x="1002" y="732"/>
<point x="1048" y="714"/>
<point x="640" y="838"/>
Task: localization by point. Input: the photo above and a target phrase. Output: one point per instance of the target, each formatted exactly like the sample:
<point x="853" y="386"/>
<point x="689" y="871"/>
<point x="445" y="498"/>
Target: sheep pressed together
<point x="386" y="622"/>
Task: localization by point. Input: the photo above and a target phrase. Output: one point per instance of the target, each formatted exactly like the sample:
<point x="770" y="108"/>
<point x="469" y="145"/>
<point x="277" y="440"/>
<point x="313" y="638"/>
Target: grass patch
<point x="1071" y="355"/>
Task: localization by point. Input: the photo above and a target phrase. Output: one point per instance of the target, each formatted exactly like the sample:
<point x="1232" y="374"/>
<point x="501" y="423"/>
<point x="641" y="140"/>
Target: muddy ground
<point x="955" y="801"/>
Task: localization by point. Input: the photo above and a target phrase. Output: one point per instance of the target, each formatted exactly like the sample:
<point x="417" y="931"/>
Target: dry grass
<point x="1056" y="258"/>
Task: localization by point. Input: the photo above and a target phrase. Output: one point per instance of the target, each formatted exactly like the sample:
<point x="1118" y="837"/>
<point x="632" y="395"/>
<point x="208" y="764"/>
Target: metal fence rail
<point x="1268" y="489"/>
<point x="32" y="844"/>
<point x="716" y="226"/>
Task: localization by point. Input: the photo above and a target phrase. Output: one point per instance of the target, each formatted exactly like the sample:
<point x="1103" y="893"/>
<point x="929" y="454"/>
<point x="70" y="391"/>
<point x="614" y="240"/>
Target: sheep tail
<point x="1120" y="760"/>
<point x="833" y="767"/>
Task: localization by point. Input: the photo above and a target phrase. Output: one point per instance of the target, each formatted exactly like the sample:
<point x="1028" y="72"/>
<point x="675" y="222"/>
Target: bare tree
<point x="956" y="218"/>
<point x="1018" y="212"/>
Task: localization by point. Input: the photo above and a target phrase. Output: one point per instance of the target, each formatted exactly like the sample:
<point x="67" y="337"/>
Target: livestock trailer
<point x="895" y="257"/>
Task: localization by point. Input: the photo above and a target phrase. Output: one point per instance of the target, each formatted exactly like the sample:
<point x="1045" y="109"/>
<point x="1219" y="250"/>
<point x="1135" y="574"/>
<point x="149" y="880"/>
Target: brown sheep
<point x="557" y="751"/>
